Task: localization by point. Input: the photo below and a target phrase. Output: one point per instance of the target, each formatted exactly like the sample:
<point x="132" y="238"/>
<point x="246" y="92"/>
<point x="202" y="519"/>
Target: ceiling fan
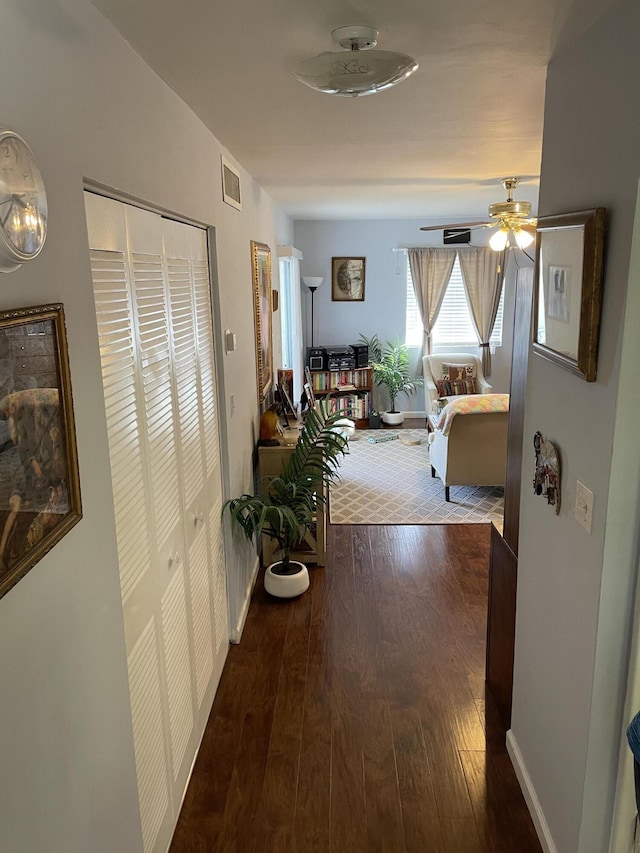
<point x="508" y="216"/>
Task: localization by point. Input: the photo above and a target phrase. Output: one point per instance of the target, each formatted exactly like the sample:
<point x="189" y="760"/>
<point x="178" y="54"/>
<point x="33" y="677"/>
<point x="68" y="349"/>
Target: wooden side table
<point x="312" y="550"/>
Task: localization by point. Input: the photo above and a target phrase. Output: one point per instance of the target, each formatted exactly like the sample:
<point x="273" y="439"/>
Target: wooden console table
<point x="312" y="550"/>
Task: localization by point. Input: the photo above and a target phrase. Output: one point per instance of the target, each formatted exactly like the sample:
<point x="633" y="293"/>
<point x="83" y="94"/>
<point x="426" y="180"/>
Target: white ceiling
<point x="434" y="147"/>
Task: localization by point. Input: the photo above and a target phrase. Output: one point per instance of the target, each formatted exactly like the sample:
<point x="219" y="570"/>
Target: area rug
<point x="390" y="482"/>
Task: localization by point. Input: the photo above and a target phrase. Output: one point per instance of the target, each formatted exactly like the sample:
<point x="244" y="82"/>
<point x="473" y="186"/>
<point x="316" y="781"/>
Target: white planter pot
<point x="286" y="586"/>
<point x="393" y="418"/>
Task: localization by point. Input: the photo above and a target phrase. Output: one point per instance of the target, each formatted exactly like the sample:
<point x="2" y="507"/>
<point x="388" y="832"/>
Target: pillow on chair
<point x="455" y="372"/>
<point x="457" y="379"/>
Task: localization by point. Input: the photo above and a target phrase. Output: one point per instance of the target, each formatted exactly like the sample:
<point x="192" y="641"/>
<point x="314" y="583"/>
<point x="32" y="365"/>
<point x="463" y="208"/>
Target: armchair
<point x="432" y="371"/>
<point x="471" y="447"/>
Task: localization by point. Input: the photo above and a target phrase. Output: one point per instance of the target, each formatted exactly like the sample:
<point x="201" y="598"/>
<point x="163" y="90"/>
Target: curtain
<point x="483" y="275"/>
<point x="430" y="271"/>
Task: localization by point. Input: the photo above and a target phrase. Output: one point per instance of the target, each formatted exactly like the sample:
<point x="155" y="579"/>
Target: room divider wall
<point x="151" y="287"/>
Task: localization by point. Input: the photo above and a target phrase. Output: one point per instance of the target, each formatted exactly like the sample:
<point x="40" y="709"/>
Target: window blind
<point x="454" y="326"/>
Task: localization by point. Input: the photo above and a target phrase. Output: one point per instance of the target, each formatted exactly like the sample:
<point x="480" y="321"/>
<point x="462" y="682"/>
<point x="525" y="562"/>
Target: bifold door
<point x="153" y="309"/>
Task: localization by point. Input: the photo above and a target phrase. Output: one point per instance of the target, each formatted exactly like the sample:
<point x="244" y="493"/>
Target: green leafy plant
<point x="391" y="369"/>
<point x="287" y="509"/>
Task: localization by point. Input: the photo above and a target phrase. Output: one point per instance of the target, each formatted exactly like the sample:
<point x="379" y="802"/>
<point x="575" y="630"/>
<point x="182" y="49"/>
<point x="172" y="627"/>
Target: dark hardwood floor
<point x="355" y="719"/>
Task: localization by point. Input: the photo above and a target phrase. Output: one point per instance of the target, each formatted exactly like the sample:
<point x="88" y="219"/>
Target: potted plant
<point x="391" y="369"/>
<point x="286" y="510"/>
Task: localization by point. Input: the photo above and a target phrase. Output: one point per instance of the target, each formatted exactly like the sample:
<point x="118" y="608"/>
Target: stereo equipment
<point x="340" y="358"/>
<point x="361" y="354"/>
<point x="317" y="358"/>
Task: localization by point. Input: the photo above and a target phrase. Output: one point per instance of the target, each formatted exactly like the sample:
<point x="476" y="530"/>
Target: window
<point x="454" y="326"/>
<point x="291" y="314"/>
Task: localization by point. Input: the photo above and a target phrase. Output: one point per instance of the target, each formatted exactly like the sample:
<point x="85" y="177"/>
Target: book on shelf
<point x="325" y="380"/>
<point x="355" y="406"/>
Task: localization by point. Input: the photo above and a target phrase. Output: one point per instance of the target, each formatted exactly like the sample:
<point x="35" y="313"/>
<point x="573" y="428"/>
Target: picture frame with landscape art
<point x="262" y="306"/>
<point x="39" y="481"/>
<point x="568" y="290"/>
<point x="347" y="279"/>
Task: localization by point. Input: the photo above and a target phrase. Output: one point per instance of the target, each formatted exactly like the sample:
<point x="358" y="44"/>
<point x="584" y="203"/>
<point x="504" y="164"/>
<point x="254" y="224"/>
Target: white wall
<point x="383" y="311"/>
<point x="572" y="623"/>
<point x="90" y="108"/>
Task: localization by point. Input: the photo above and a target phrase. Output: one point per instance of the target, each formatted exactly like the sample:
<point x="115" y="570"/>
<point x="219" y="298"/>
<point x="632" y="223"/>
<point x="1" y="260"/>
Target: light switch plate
<point x="583" y="509"/>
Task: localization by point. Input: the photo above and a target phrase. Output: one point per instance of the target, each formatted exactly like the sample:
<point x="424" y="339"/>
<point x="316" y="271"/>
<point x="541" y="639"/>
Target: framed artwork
<point x="230" y="184"/>
<point x="568" y="290"/>
<point x="39" y="481"/>
<point x="261" y="271"/>
<point x="347" y="279"/>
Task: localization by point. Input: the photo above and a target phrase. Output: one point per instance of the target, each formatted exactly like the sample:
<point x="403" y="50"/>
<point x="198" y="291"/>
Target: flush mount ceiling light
<point x="358" y="71"/>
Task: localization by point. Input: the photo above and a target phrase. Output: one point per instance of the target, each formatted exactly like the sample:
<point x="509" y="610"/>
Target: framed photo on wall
<point x="347" y="279"/>
<point x="568" y="290"/>
<point x="261" y="272"/>
<point x="39" y="481"/>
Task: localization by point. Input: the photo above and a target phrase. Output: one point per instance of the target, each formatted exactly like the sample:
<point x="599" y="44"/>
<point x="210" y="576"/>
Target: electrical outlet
<point x="583" y="509"/>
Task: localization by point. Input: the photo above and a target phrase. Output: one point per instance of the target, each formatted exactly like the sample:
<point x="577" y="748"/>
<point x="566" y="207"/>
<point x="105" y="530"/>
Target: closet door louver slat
<point x="148" y="737"/>
<point x="205" y="352"/>
<point x="155" y="360"/>
<point x="184" y="354"/>
<point x="177" y="667"/>
<point x="118" y="370"/>
<point x="203" y="625"/>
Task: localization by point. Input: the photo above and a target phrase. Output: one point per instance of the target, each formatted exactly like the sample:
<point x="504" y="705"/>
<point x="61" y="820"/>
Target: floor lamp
<point x="313" y="282"/>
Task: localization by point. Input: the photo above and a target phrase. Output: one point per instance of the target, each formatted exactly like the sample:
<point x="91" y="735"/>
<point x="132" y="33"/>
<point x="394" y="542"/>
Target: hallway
<point x="354" y="718"/>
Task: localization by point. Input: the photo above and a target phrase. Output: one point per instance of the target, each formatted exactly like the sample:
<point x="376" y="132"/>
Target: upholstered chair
<point x="433" y="370"/>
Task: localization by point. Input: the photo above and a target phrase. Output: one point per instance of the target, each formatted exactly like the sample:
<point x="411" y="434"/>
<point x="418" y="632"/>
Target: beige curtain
<point x="430" y="271"/>
<point x="483" y="274"/>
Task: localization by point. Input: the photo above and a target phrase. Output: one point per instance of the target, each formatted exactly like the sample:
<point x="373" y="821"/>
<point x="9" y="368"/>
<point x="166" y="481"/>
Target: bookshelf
<point x="350" y="389"/>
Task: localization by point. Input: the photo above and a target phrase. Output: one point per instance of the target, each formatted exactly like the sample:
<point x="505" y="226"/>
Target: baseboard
<point x="530" y="796"/>
<point x="236" y="630"/>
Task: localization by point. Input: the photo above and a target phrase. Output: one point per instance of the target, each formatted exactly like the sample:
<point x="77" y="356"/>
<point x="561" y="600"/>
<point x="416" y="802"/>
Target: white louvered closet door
<point x="151" y="285"/>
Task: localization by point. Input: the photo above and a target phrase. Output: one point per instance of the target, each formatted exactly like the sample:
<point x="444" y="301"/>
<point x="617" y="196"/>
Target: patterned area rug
<point x="391" y="483"/>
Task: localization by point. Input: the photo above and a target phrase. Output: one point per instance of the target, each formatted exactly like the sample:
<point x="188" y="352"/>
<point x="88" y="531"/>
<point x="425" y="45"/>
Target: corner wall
<point x="92" y="109"/>
<point x="573" y="610"/>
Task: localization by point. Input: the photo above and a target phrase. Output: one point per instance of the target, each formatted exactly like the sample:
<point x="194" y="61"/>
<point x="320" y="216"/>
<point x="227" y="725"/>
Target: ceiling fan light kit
<point x="356" y="70"/>
<point x="510" y="217"/>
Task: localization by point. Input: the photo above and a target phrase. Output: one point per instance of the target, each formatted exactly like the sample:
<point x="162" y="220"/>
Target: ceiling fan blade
<point x="456" y="225"/>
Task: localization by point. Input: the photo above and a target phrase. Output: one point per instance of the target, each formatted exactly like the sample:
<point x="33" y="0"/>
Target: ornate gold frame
<point x="569" y="261"/>
<point x="262" y="309"/>
<point x="39" y="478"/>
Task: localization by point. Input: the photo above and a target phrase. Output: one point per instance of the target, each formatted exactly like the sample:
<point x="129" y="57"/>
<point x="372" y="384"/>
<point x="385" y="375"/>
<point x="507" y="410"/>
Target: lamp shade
<point x="312" y="281"/>
<point x="499" y="240"/>
<point x="523" y="238"/>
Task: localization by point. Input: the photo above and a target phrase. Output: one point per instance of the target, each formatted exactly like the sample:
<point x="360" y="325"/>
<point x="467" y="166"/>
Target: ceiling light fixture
<point x="510" y="217"/>
<point x="361" y="71"/>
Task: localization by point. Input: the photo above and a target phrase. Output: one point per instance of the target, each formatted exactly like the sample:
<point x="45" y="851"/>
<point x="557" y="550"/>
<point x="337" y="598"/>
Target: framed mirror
<point x="568" y="290"/>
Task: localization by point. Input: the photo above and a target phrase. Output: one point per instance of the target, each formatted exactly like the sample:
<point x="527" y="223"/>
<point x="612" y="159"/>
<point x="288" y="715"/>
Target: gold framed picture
<point x="262" y="306"/>
<point x="347" y="279"/>
<point x="568" y="290"/>
<point x="39" y="481"/>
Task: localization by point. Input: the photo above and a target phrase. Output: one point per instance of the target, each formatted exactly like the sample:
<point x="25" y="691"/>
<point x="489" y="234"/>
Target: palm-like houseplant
<point x="391" y="368"/>
<point x="287" y="508"/>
